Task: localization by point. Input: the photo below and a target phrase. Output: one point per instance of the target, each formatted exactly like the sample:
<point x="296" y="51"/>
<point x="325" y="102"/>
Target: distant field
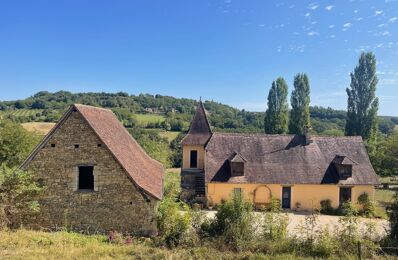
<point x="20" y="112"/>
<point x="39" y="127"/>
<point x="144" y="119"/>
<point x="396" y="128"/>
<point x="170" y="135"/>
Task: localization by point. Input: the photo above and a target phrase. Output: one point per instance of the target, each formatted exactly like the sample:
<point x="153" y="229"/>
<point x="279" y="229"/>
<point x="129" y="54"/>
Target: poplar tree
<point x="276" y="116"/>
<point x="300" y="102"/>
<point x="362" y="101"/>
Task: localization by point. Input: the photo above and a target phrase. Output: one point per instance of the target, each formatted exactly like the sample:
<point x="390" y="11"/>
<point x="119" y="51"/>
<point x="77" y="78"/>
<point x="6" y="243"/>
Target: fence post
<point x="359" y="250"/>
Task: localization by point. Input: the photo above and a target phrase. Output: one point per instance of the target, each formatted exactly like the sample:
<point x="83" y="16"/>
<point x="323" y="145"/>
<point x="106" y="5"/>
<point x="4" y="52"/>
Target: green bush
<point x="275" y="205"/>
<point x="275" y="226"/>
<point x="233" y="223"/>
<point x="173" y="224"/>
<point x="18" y="191"/>
<point x="393" y="214"/>
<point x="326" y="207"/>
<point x="367" y="207"/>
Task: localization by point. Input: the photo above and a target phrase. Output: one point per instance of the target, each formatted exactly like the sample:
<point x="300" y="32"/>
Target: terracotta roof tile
<point x="144" y="171"/>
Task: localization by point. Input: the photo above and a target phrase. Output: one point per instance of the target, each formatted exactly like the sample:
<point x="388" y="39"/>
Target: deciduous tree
<point x="300" y="102"/>
<point x="276" y="116"/>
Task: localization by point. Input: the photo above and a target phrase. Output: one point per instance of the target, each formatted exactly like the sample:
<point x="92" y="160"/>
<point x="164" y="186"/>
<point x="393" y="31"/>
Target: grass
<point x="383" y="199"/>
<point x="144" y="119"/>
<point x="25" y="244"/>
<point x="41" y="128"/>
<point x="170" y="135"/>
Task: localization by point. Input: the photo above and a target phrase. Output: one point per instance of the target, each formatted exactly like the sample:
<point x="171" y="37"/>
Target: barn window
<point x="77" y="146"/>
<point x="86" y="177"/>
<point x="52" y="145"/>
<point x="99" y="145"/>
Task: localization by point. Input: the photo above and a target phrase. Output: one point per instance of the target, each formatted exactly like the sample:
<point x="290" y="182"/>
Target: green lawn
<point x="383" y="199"/>
<point x="144" y="119"/>
<point x="170" y="135"/>
<point x="24" y="244"/>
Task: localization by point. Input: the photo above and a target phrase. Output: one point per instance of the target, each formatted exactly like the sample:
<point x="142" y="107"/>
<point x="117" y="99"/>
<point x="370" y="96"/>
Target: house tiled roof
<point x="144" y="171"/>
<point x="286" y="159"/>
<point x="199" y="130"/>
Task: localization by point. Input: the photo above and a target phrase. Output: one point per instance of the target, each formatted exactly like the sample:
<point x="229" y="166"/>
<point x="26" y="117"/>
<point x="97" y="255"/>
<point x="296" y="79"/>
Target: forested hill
<point x="172" y="113"/>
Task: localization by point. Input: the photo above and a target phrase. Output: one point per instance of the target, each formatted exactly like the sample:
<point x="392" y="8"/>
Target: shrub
<point x="233" y="223"/>
<point x="393" y="214"/>
<point x="275" y="205"/>
<point x="367" y="206"/>
<point x="173" y="225"/>
<point x="275" y="226"/>
<point x="326" y="207"/>
<point x="18" y="191"/>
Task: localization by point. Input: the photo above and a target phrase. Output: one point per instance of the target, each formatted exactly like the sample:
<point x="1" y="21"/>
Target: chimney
<point x="307" y="134"/>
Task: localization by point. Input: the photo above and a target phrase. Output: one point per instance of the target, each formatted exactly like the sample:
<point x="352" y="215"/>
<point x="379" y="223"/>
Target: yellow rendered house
<point x="299" y="170"/>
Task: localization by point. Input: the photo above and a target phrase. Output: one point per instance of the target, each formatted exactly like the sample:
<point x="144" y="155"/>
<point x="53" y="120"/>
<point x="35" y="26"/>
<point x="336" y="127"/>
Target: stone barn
<point x="97" y="177"/>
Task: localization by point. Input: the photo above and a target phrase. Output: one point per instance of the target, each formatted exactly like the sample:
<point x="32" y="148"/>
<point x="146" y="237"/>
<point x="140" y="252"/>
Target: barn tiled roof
<point x="199" y="130"/>
<point x="144" y="171"/>
<point x="285" y="159"/>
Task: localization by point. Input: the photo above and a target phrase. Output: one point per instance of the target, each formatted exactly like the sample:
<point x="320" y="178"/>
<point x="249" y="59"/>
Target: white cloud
<point x="292" y="6"/>
<point x="378" y="12"/>
<point x="332" y="36"/>
<point x="314" y="22"/>
<point x="307" y="14"/>
<point x="312" y="33"/>
<point x="261" y="25"/>
<point x="331" y="26"/>
<point x="392" y="20"/>
<point x="313" y="6"/>
<point x="355" y="11"/>
<point x="329" y="7"/>
<point x="347" y="25"/>
<point x="381" y="25"/>
<point x="385" y="33"/>
<point x="358" y="19"/>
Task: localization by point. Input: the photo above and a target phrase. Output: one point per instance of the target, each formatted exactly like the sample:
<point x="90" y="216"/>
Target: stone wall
<point x="115" y="203"/>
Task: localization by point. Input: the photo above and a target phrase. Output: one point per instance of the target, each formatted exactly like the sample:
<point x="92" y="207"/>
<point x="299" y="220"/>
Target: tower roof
<point x="199" y="130"/>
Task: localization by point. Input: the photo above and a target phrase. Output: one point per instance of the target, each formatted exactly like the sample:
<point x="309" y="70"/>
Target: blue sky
<point x="228" y="51"/>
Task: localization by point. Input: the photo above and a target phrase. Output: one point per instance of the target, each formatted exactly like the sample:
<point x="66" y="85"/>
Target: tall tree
<point x="300" y="102"/>
<point x="276" y="116"/>
<point x="362" y="101"/>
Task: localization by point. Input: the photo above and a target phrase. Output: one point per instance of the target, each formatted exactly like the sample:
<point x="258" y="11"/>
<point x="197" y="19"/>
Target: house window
<point x="237" y="169"/>
<point x="345" y="171"/>
<point x="194" y="159"/>
<point x="345" y="195"/>
<point x="237" y="192"/>
<point x="86" y="177"/>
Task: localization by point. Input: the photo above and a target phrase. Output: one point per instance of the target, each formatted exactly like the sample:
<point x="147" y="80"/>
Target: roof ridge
<point x="91" y="107"/>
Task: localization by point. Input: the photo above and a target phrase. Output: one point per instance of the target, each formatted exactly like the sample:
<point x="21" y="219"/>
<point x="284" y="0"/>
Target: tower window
<point x="194" y="159"/>
<point x="86" y="177"/>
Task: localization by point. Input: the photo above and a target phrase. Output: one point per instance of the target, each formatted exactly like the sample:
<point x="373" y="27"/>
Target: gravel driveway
<point x="297" y="220"/>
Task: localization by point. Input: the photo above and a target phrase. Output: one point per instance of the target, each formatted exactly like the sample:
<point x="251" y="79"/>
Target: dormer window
<point x="237" y="169"/>
<point x="343" y="166"/>
<point x="237" y="164"/>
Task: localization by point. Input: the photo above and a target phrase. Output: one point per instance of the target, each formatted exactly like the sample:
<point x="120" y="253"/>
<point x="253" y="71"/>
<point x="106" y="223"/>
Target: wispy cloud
<point x="329" y="7"/>
<point x="346" y="25"/>
<point x="313" y="6"/>
<point x="307" y="14"/>
<point x="378" y="12"/>
<point x="331" y="26"/>
<point x="358" y="19"/>
<point x="312" y="33"/>
<point x="392" y="20"/>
